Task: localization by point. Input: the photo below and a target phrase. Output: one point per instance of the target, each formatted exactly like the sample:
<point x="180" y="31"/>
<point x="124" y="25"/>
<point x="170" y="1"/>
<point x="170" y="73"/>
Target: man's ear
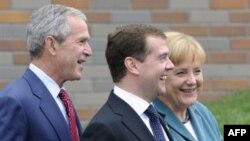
<point x="131" y="65"/>
<point x="50" y="44"/>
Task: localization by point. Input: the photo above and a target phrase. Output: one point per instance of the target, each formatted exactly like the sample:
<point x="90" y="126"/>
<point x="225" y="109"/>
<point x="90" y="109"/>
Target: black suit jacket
<point x="117" y="121"/>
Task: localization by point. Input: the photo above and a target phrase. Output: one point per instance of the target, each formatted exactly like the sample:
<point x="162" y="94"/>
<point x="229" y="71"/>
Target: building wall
<point x="221" y="26"/>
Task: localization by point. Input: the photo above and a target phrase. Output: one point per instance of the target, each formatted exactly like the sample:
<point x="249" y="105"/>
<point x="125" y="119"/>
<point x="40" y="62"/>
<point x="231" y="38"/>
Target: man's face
<point x="73" y="52"/>
<point x="155" y="67"/>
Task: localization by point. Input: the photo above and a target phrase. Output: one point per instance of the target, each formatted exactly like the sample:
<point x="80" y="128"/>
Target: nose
<point x="169" y="64"/>
<point x="87" y="50"/>
<point x="191" y="79"/>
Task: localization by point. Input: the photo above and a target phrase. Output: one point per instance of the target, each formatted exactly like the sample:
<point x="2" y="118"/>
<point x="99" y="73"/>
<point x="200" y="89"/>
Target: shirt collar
<point x="137" y="103"/>
<point x="49" y="83"/>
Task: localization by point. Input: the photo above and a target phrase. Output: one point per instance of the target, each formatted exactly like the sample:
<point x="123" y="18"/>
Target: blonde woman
<point x="187" y="119"/>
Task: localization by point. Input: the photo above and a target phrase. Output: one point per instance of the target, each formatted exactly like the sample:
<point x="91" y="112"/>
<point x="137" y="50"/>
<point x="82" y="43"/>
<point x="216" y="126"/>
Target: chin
<point x="190" y="103"/>
<point x="78" y="77"/>
<point x="162" y="92"/>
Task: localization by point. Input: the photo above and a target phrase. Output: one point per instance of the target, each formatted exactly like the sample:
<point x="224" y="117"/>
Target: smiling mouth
<point x="188" y="90"/>
<point x="163" y="77"/>
<point x="81" y="61"/>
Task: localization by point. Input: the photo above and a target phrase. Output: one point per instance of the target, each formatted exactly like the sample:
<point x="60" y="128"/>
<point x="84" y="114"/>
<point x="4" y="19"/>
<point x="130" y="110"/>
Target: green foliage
<point x="233" y="109"/>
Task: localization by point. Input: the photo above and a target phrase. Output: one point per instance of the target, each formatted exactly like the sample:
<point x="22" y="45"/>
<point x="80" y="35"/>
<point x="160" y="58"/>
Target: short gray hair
<point x="49" y="20"/>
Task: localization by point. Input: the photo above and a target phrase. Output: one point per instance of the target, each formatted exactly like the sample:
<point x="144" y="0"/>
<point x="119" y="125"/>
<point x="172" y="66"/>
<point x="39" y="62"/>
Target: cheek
<point x="168" y="83"/>
<point x="199" y="81"/>
<point x="171" y="85"/>
<point x="174" y="81"/>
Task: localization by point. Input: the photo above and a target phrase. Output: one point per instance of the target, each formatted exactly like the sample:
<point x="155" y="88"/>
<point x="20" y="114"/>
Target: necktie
<point x="155" y="123"/>
<point x="70" y="113"/>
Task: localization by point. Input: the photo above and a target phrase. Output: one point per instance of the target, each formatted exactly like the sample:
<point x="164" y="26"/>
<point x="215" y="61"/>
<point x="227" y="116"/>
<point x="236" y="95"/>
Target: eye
<point x="179" y="73"/>
<point x="163" y="57"/>
<point x="197" y="71"/>
<point x="82" y="42"/>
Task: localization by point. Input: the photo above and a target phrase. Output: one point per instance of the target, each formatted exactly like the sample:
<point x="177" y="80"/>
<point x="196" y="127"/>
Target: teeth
<point x="164" y="77"/>
<point x="189" y="90"/>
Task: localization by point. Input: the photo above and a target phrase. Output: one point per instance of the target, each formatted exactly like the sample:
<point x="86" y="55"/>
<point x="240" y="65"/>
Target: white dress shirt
<point x="138" y="104"/>
<point x="190" y="128"/>
<point x="52" y="87"/>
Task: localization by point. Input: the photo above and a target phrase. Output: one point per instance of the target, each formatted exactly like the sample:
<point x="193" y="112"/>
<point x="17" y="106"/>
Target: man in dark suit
<point x="31" y="109"/>
<point x="138" y="60"/>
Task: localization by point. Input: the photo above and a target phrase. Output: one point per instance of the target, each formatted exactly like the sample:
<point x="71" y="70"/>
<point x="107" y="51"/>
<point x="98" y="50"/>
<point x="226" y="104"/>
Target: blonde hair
<point x="180" y="45"/>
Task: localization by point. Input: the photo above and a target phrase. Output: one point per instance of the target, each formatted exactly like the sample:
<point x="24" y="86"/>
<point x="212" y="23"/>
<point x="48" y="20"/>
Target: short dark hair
<point x="128" y="40"/>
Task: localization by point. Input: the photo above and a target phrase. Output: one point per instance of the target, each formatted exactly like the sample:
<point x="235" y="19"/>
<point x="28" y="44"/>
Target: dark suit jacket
<point x="203" y="122"/>
<point x="116" y="121"/>
<point x="28" y="112"/>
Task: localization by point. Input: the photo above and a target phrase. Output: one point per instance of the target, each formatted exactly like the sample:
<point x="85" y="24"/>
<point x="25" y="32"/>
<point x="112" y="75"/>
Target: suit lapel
<point x="48" y="106"/>
<point x="130" y="118"/>
<point x="166" y="128"/>
<point x="197" y="123"/>
<point x="79" y="126"/>
<point x="55" y="118"/>
<point x="172" y="121"/>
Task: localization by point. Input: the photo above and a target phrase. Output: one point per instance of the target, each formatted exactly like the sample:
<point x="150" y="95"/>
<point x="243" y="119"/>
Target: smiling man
<point x="36" y="107"/>
<point x="138" y="60"/>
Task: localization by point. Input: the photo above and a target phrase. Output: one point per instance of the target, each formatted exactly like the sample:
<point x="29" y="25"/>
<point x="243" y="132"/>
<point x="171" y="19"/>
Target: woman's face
<point x="184" y="83"/>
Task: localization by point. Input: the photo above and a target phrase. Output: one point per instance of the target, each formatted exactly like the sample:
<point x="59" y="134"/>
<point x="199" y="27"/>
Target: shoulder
<point x="20" y="92"/>
<point x="202" y="115"/>
<point x="203" y="111"/>
<point x="105" y="125"/>
<point x="200" y="107"/>
<point x="107" y="115"/>
<point x="14" y="88"/>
